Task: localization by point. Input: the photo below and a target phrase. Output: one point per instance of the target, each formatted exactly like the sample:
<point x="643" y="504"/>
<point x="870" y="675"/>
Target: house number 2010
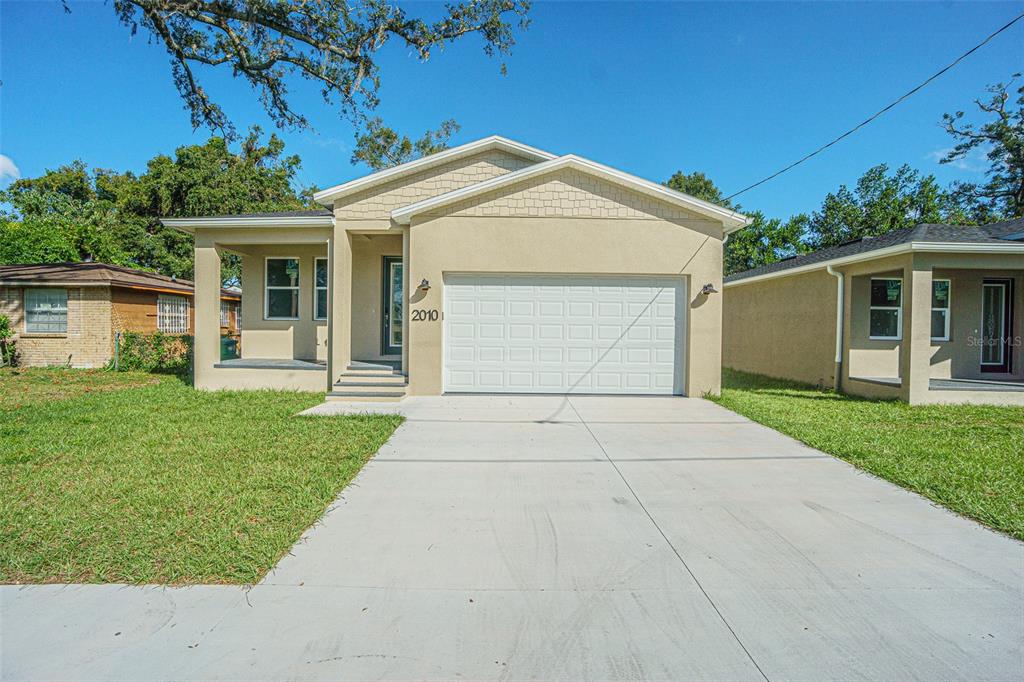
<point x="425" y="315"/>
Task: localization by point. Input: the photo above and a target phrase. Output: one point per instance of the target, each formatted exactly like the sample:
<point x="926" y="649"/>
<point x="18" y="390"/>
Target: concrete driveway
<point x="600" y="538"/>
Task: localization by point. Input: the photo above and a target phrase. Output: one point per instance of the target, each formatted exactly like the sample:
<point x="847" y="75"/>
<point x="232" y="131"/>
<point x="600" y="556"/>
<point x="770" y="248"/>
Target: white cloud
<point x="8" y="170"/>
<point x="973" y="162"/>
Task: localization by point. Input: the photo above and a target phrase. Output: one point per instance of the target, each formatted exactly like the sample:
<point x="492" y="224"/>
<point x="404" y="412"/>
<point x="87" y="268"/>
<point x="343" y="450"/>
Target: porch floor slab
<point x="271" y="363"/>
<point x="975" y="385"/>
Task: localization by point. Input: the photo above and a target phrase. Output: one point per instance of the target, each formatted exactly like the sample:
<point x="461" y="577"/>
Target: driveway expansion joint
<point x="664" y="536"/>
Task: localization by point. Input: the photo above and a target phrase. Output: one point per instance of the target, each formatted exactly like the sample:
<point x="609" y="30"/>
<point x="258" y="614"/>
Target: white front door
<point x="564" y="334"/>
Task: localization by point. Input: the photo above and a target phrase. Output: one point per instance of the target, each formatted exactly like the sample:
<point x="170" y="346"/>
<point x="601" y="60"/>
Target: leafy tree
<point x="331" y="43"/>
<point x="381" y="147"/>
<point x="879" y="203"/>
<point x="57" y="218"/>
<point x="763" y="241"/>
<point x="72" y="213"/>
<point x="1002" y="138"/>
<point x="698" y="185"/>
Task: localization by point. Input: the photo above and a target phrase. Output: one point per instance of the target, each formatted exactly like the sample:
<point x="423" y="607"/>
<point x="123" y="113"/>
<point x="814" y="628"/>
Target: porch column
<point x="206" y="335"/>
<point x="406" y="296"/>
<point x="339" y="303"/>
<point x="915" y="349"/>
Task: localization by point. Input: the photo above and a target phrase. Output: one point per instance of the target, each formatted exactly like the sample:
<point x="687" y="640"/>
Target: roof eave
<point x="327" y="197"/>
<point x="190" y="225"/>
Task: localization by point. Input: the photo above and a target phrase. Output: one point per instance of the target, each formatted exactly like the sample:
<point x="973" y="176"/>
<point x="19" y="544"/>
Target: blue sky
<point x="736" y="90"/>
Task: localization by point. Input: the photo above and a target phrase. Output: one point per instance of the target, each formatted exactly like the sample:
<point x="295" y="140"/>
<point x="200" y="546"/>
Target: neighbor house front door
<point x="391" y="308"/>
<point x="996" y="324"/>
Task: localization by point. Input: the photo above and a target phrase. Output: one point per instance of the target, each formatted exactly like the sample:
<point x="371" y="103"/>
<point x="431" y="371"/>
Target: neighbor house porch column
<point x="915" y="348"/>
<point x="206" y="335"/>
<point x="339" y="303"/>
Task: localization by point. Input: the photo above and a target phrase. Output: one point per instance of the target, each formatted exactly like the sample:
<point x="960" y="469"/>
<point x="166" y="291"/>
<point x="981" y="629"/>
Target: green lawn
<point x="139" y="479"/>
<point x="968" y="458"/>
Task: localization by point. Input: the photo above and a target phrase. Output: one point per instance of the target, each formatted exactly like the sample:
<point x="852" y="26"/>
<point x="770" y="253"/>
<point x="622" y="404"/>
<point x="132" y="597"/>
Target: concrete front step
<point x="375" y="377"/>
<point x="359" y="366"/>
<point x="345" y="384"/>
<point x="350" y="372"/>
<point x="369" y="381"/>
<point x="365" y="396"/>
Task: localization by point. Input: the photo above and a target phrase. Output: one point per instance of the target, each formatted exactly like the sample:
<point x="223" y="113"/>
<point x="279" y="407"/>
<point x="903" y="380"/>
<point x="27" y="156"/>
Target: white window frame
<point x="898" y="309"/>
<point x="35" y="290"/>
<point x="225" y="313"/>
<point x="317" y="289"/>
<point x="168" y="321"/>
<point x="266" y="287"/>
<point x="948" y="308"/>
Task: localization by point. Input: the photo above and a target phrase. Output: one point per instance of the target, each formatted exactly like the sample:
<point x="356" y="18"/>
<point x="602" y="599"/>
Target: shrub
<point x="158" y="353"/>
<point x="8" y="351"/>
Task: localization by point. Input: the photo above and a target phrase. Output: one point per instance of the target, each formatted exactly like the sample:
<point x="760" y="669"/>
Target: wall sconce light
<point x="708" y="289"/>
<point x="424" y="284"/>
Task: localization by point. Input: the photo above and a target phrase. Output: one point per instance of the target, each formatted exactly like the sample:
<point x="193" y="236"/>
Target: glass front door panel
<point x="392" y="306"/>
<point x="993" y="324"/>
<point x="395" y="301"/>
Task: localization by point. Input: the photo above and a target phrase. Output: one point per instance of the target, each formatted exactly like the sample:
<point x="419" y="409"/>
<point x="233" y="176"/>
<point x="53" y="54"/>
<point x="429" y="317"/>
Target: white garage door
<point x="563" y="334"/>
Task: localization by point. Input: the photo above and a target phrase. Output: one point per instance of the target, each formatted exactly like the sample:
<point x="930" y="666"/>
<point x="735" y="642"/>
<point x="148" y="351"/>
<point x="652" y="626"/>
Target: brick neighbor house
<point x="70" y="313"/>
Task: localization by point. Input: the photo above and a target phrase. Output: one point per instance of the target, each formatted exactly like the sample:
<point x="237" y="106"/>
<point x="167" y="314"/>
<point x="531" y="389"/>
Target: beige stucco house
<point x="929" y="314"/>
<point x="490" y="267"/>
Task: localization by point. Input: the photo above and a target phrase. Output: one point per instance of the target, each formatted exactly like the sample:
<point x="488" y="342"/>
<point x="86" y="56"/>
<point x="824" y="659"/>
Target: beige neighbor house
<point x="71" y="313"/>
<point x="491" y="267"/>
<point x="929" y="314"/>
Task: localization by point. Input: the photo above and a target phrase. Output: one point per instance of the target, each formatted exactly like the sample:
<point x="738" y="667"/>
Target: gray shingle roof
<point x="995" y="233"/>
<point x="1006" y="229"/>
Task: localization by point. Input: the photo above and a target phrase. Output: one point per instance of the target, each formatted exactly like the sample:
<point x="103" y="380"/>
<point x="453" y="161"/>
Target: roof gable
<point x="328" y="196"/>
<point x="378" y="201"/>
<point x="657" y="195"/>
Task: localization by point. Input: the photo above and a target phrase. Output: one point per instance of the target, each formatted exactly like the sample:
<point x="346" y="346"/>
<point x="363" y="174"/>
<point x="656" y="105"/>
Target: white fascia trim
<point x="328" y="196"/>
<point x="191" y="224"/>
<point x="919" y="247"/>
<point x="730" y="219"/>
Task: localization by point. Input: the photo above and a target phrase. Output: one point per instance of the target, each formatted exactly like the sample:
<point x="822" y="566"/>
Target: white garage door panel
<point x="560" y="334"/>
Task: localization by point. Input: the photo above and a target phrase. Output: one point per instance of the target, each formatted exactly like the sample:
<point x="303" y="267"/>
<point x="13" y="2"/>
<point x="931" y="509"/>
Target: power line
<point x="881" y="111"/>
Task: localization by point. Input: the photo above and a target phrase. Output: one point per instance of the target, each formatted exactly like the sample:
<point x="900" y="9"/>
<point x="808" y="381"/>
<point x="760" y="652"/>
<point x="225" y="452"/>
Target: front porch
<point x="323" y="309"/>
<point x="935" y="328"/>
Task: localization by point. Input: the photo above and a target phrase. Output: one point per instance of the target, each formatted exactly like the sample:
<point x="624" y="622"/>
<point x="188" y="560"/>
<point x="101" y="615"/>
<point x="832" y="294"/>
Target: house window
<point x="225" y="314"/>
<point x="321" y="289"/>
<point x="46" y="311"/>
<point x="940" y="310"/>
<point x="282" y="293"/>
<point x="172" y="314"/>
<point x="886" y="315"/>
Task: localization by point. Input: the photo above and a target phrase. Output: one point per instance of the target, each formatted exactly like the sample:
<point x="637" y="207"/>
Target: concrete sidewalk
<point x="548" y="538"/>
